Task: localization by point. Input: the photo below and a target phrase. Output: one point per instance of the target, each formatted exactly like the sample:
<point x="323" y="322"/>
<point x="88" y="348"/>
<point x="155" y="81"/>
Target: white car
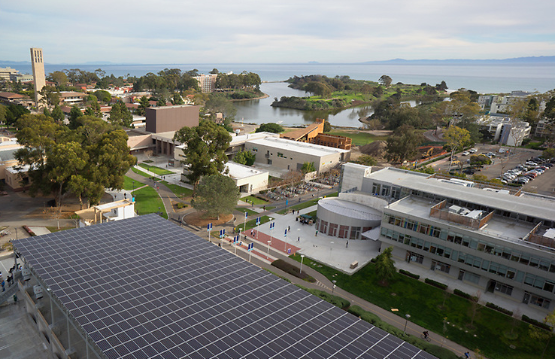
<point x="472" y="150"/>
<point x="465" y="153"/>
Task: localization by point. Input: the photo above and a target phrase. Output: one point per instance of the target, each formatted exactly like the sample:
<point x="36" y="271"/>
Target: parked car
<point x="472" y="150"/>
<point x="465" y="153"/>
<point x="530" y="163"/>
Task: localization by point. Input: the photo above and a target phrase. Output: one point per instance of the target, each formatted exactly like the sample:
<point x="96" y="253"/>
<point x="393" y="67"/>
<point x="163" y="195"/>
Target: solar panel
<point x="146" y="288"/>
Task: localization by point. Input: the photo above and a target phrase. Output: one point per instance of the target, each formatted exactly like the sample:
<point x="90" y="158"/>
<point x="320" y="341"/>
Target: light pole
<point x="269" y="242"/>
<point x="132" y="193"/>
<point x="302" y="257"/>
<point x="407" y="316"/>
<point x="333" y="288"/>
<point x="331" y="244"/>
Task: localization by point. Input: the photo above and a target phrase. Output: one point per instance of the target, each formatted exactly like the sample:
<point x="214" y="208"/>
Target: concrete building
<point x="6" y="73"/>
<point x="505" y="130"/>
<point x="207" y="83"/>
<point x="171" y="118"/>
<point x="281" y="155"/>
<point x="496" y="242"/>
<point x="108" y="212"/>
<point x="247" y="179"/>
<point x="13" y="98"/>
<point x="70" y="98"/>
<point x="37" y="62"/>
<point x="21" y="77"/>
<point x="8" y="146"/>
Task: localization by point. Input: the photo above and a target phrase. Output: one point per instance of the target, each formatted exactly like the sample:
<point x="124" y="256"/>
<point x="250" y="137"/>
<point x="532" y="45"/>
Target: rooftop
<point x="350" y="209"/>
<point x="203" y="302"/>
<point x="301" y="147"/>
<point x="238" y="171"/>
<point x="535" y="206"/>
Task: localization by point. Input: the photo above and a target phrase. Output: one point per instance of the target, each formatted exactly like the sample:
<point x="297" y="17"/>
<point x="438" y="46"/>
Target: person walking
<point x="298" y="239"/>
<point x="467" y="355"/>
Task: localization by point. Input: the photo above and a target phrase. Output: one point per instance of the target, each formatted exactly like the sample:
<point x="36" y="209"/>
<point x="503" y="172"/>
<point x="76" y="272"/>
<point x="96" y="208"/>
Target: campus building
<point x="171" y="118"/>
<point x="496" y="242"/>
<point x="207" y="83"/>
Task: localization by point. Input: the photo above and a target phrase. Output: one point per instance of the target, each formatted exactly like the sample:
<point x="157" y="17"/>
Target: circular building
<point x="346" y="219"/>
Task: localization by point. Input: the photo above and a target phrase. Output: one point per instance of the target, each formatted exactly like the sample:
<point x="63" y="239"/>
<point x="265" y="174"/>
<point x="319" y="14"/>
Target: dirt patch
<point x="197" y="219"/>
<point x="375" y="149"/>
<point x="176" y="206"/>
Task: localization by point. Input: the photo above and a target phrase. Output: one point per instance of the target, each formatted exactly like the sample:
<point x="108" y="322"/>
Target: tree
<point x="205" y="149"/>
<point x="308" y="167"/>
<point x="327" y="126"/>
<point x="366" y="160"/>
<point x="385" y="80"/>
<point x="270" y="127"/>
<point x="541" y="334"/>
<point x="143" y="104"/>
<point x="456" y="138"/>
<point x="218" y="103"/>
<point x="57" y="114"/>
<point x="245" y="158"/>
<point x="3" y="112"/>
<point x="403" y="144"/>
<point x="385" y="266"/>
<point x="479" y="160"/>
<point x="548" y="153"/>
<point x="74" y="115"/>
<point x="177" y="99"/>
<point x="215" y="71"/>
<point x="103" y="96"/>
<point x="120" y="115"/>
<point x="216" y="195"/>
<point x="59" y="77"/>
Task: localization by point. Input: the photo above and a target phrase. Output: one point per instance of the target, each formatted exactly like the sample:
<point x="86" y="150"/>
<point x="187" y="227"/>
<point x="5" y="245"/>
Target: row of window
<point x="465" y="241"/>
<point x="472" y="261"/>
<point x="341" y="231"/>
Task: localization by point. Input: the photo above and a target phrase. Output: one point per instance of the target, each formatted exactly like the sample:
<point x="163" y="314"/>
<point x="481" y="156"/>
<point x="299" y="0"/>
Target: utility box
<point x="38" y="291"/>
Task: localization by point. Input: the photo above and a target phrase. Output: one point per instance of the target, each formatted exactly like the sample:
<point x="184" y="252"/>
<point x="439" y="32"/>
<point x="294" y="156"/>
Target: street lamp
<point x="302" y="257"/>
<point x="333" y="288"/>
<point x="331" y="244"/>
<point x="407" y="316"/>
<point x="269" y="242"/>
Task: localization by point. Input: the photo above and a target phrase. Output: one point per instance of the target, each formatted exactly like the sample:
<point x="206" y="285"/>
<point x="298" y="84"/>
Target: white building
<point x="496" y="242"/>
<point x="108" y="212"/>
<point x="505" y="130"/>
<point x="248" y="179"/>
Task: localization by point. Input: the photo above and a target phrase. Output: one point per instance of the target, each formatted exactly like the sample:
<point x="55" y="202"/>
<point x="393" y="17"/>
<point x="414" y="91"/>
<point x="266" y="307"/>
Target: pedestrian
<point x="252" y="204"/>
<point x="316" y="235"/>
<point x="264" y="208"/>
<point x="288" y="228"/>
<point x="252" y="232"/>
<point x="299" y="239"/>
<point x="347" y="244"/>
<point x="467" y="355"/>
<point x="3" y="284"/>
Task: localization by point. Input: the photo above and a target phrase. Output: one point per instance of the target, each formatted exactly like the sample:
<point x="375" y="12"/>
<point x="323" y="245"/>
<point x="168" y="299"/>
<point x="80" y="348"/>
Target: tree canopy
<point x="270" y="127"/>
<point x="216" y="195"/>
<point x="385" y="80"/>
<point x="403" y="144"/>
<point x="245" y="158"/>
<point x="204" y="150"/>
<point x="385" y="266"/>
<point x="84" y="160"/>
<point x="120" y="115"/>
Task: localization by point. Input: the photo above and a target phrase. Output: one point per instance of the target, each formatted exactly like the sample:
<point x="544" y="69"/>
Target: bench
<point x="354" y="264"/>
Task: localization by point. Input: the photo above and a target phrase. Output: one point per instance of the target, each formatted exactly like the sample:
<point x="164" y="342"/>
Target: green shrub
<point x="460" y="293"/>
<point x="536" y="323"/>
<point x="181" y="205"/>
<point x="499" y="309"/>
<point x="409" y="274"/>
<point x="333" y="299"/>
<point x="436" y="284"/>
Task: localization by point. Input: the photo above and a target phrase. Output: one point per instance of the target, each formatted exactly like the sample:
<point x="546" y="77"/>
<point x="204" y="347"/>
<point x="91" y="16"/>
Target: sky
<point x="283" y="31"/>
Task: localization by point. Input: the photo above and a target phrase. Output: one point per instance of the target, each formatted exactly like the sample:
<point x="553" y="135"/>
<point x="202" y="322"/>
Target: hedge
<point x="499" y="309"/>
<point x="436" y="284"/>
<point x="536" y="323"/>
<point x="460" y="293"/>
<point x="409" y="274"/>
<point x="333" y="299"/>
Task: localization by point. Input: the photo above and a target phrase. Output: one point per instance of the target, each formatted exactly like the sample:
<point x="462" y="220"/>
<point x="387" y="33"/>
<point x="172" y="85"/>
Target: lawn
<point x="128" y="183"/>
<point x="148" y="201"/>
<point x="252" y="222"/>
<point x="307" y="204"/>
<point x="178" y="190"/>
<point x="139" y="172"/>
<point x="253" y="199"/>
<point x="425" y="305"/>
<point x="250" y="212"/>
<point x="359" y="138"/>
<point x="159" y="171"/>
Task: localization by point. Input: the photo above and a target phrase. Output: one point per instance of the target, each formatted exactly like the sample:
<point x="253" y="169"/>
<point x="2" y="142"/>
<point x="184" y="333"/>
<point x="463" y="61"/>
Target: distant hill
<point x="529" y="59"/>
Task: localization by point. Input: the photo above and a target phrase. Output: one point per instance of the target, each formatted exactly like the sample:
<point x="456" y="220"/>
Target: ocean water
<point x="483" y="78"/>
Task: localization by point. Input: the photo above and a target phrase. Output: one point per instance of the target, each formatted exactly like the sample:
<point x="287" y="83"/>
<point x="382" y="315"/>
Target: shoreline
<point x="250" y="99"/>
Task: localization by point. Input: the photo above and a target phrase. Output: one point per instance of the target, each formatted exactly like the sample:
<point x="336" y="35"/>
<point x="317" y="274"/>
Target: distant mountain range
<point x="529" y="59"/>
<point x="516" y="60"/>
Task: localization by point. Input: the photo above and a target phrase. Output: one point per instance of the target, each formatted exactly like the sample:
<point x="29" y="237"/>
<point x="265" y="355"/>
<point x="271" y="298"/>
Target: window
<point x="471" y="277"/>
<point x="376" y="188"/>
<point x="442" y="267"/>
<point x="415" y="257"/>
<point x="539" y="301"/>
<point x="323" y="228"/>
<point x="279" y="154"/>
<point x="355" y="232"/>
<point x="385" y="190"/>
<point x="254" y="149"/>
<point x="410" y="225"/>
<point x="343" y="231"/>
<point x="436" y="232"/>
<point x="424" y="228"/>
<point x="549" y="286"/>
<point x="503" y="288"/>
<point x="333" y="229"/>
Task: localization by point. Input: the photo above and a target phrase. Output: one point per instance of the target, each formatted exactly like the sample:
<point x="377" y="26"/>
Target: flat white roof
<point x="22" y="169"/>
<point x="350" y="209"/>
<point x="534" y="206"/>
<point x="239" y="171"/>
<point x="115" y="204"/>
<point x="239" y="140"/>
<point x="300" y="147"/>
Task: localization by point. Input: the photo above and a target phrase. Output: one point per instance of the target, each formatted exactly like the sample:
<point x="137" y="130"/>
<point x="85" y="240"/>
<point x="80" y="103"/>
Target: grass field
<point x="250" y="212"/>
<point x="252" y="222"/>
<point x="251" y="199"/>
<point x="490" y="332"/>
<point x="139" y="172"/>
<point x="128" y="183"/>
<point x="147" y="201"/>
<point x="304" y="205"/>
<point x="179" y="191"/>
<point x="159" y="171"/>
<point x="360" y="138"/>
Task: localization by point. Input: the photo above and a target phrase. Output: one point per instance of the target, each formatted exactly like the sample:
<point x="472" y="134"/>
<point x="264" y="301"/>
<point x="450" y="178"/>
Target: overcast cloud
<point x="248" y="31"/>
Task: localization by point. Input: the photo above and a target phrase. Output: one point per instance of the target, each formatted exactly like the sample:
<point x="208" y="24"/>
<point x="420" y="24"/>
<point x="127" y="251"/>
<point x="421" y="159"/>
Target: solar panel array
<point x="146" y="288"/>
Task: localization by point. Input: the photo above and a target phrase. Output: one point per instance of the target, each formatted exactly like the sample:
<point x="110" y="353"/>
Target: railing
<point x="11" y="290"/>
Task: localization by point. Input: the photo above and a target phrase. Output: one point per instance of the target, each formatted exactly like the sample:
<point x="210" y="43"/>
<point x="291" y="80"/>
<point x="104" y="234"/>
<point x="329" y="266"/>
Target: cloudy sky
<point x="282" y="31"/>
